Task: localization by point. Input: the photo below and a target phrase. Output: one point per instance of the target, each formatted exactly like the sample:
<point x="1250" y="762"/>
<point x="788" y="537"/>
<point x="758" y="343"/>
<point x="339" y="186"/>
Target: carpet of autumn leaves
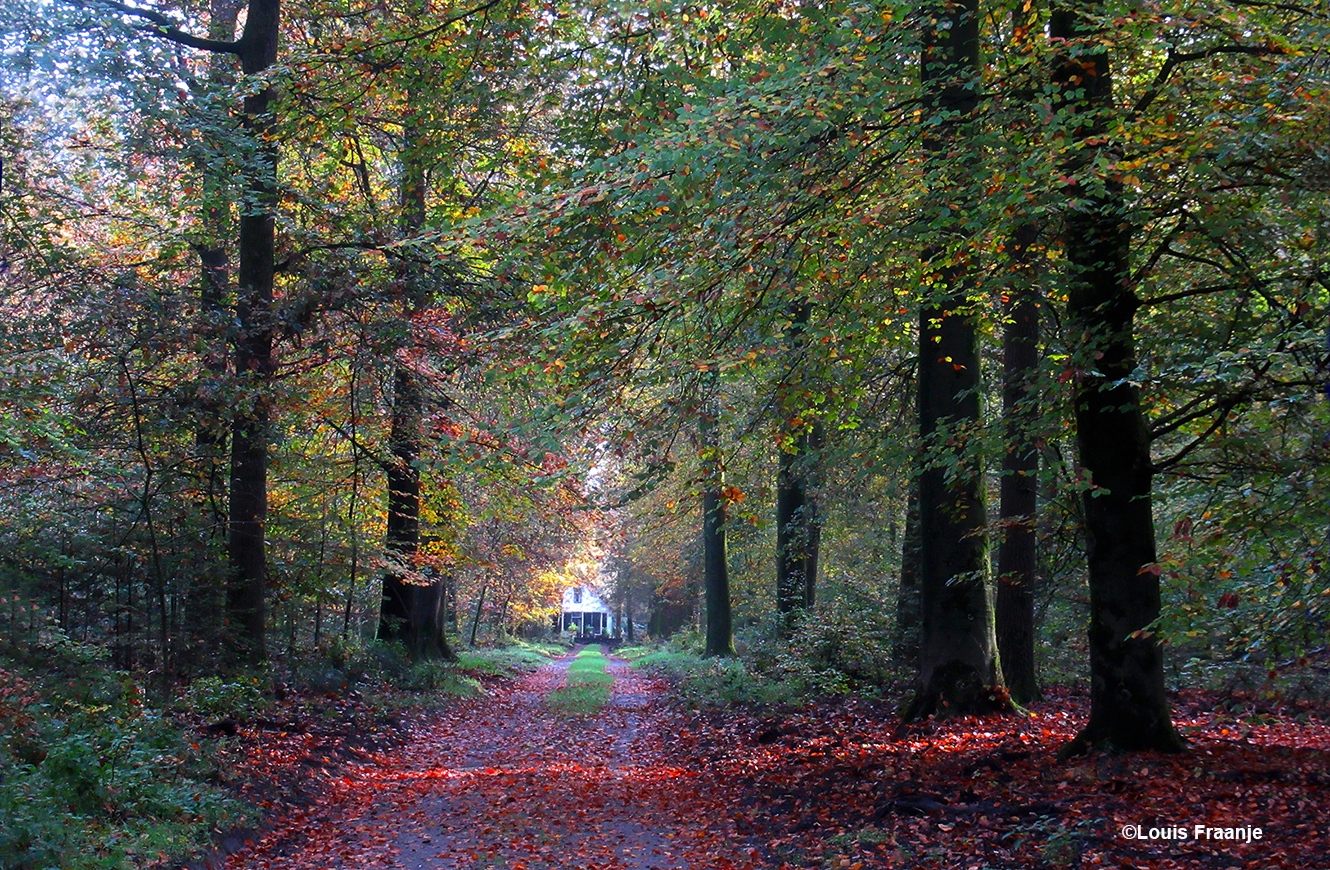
<point x="503" y="782"/>
<point x="838" y="791"/>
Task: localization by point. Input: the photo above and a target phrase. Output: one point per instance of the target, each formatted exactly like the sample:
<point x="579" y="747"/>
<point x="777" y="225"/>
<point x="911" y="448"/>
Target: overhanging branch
<point x="162" y="26"/>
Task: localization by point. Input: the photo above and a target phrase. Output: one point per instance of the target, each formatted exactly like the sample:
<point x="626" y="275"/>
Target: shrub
<point x="91" y="778"/>
<point x="241" y="697"/>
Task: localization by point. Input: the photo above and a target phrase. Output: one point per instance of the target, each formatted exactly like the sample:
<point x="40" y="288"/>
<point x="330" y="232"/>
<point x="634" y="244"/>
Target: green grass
<point x="588" y="686"/>
<point x="633" y="653"/>
<point x="503" y="661"/>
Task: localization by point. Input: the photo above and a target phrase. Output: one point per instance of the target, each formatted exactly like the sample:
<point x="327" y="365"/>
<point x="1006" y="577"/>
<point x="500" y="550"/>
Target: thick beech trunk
<point x="413" y="610"/>
<point x="716" y="572"/>
<point x="1017" y="557"/>
<point x="244" y="611"/>
<point x="254" y="362"/>
<point x="1128" y="706"/>
<point x="958" y="661"/>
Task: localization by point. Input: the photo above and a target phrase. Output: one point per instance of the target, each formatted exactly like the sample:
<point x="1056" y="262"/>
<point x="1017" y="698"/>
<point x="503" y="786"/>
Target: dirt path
<point x="503" y="782"/>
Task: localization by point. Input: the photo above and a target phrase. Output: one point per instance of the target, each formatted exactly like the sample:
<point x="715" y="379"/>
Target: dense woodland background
<point x="837" y="334"/>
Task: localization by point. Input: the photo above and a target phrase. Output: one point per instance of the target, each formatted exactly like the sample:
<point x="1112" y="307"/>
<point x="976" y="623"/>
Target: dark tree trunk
<point x="1128" y="706"/>
<point x="205" y="596"/>
<point x="475" y="620"/>
<point x="716" y="572"/>
<point x="413" y="610"/>
<point x="254" y="362"/>
<point x="958" y="661"/>
<point x="797" y="526"/>
<point x="812" y="450"/>
<point x="1017" y="557"/>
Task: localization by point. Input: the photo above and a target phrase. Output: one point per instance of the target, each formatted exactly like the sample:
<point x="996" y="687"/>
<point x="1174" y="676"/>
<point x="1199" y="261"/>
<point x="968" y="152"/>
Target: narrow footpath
<point x="503" y="781"/>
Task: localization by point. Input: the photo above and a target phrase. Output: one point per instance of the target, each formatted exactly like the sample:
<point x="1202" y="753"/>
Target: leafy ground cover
<point x="99" y="772"/>
<point x="503" y="780"/>
<point x="832" y="788"/>
<point x="91" y="776"/>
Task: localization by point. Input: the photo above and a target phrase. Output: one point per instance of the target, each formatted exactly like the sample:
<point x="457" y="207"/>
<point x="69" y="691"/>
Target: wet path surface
<point x="502" y="781"/>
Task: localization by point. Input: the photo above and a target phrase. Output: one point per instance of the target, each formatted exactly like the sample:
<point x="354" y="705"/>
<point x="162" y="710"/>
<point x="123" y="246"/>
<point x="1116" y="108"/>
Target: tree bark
<point x="958" y="661"/>
<point x="1017" y="557"/>
<point x="254" y="361"/>
<point x="812" y="451"/>
<point x="797" y="526"/>
<point x="716" y="572"/>
<point x="412" y="610"/>
<point x="480" y="605"/>
<point x="205" y="596"/>
<point x="1128" y="706"/>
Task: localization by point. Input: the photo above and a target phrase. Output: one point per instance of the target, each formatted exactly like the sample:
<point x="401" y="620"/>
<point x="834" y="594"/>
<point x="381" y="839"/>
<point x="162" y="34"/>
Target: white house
<point x="584" y="613"/>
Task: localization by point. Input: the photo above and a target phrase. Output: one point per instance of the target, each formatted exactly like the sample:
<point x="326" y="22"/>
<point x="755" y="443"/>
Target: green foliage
<point x="241" y="697"/>
<point x="516" y="658"/>
<point x="715" y="682"/>
<point x="436" y="678"/>
<point x="90" y="777"/>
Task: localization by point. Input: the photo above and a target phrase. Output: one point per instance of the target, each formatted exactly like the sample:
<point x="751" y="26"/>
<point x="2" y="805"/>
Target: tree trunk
<point x="812" y="450"/>
<point x="1128" y="706"/>
<point x="797" y="527"/>
<point x="412" y="610"/>
<point x="1017" y="562"/>
<point x="716" y="573"/>
<point x="254" y="362"/>
<point x="475" y="620"/>
<point x="958" y="661"/>
<point x="204" y="598"/>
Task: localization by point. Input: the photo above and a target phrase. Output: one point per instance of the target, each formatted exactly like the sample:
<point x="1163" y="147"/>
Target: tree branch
<point x="1223" y="409"/>
<point x="1175" y="60"/>
<point x="160" y="25"/>
<point x="1186" y="294"/>
<point x="443" y="25"/>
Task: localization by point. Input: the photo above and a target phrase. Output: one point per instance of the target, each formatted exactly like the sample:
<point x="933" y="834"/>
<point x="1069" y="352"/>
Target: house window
<point x="577" y="595"/>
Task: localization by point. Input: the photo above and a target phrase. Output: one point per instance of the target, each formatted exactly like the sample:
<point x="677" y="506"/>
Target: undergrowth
<point x="98" y="773"/>
<point x="829" y="650"/>
<point x="91" y="776"/>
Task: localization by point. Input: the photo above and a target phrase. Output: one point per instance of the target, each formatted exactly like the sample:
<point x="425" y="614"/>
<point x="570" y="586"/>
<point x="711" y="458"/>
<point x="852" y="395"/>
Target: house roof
<point x="591" y="601"/>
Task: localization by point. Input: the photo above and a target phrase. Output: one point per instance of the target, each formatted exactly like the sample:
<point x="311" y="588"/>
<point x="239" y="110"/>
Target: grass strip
<point x="587" y="688"/>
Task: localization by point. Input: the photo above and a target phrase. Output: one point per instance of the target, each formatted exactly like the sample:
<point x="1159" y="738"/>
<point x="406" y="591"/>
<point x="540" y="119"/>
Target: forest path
<point x="503" y="781"/>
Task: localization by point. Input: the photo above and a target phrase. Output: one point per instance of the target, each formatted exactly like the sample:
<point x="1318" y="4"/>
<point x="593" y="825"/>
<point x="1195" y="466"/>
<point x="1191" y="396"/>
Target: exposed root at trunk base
<point x="956" y="690"/>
